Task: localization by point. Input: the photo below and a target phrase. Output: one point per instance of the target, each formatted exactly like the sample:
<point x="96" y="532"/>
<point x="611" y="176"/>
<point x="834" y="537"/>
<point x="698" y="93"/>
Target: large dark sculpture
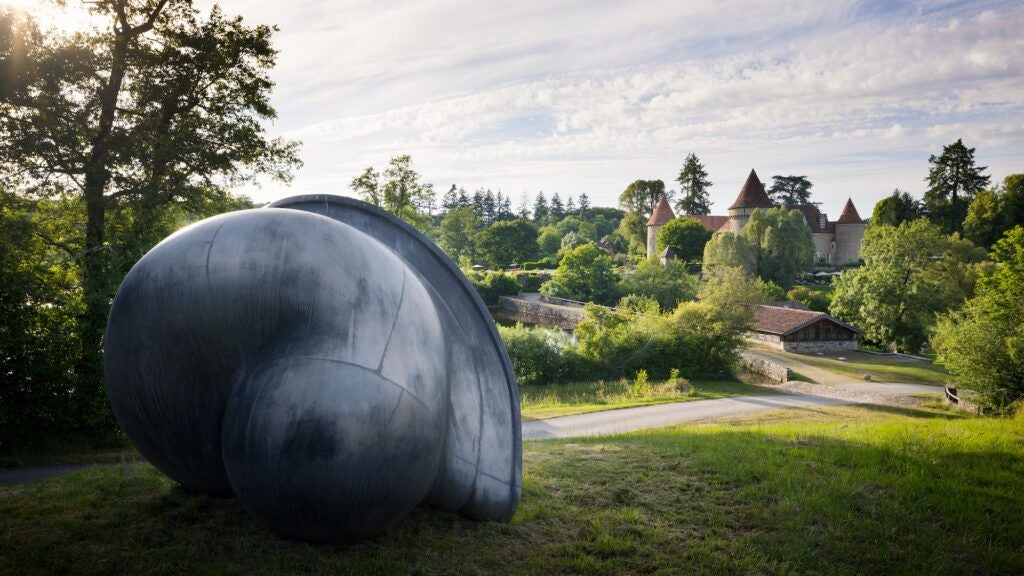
<point x="321" y="360"/>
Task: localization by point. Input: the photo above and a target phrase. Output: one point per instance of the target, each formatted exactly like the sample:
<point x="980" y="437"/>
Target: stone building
<point x="835" y="243"/>
<point x="791" y="327"/>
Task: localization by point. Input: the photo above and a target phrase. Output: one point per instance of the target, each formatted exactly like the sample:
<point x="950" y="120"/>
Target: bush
<point x="816" y="300"/>
<point x="493" y="285"/>
<point x="549" y="263"/>
<point x="529" y="282"/>
<point x="541" y="356"/>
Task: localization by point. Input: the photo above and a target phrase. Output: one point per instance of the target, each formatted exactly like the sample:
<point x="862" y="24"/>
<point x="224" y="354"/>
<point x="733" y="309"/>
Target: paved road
<point x="628" y="419"/>
<point x="11" y="476"/>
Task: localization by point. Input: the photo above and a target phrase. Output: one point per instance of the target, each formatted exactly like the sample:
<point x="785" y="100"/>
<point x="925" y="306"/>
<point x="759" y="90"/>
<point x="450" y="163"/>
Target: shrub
<point x="816" y="300"/>
<point x="529" y="282"/>
<point x="493" y="285"/>
<point x="541" y="356"/>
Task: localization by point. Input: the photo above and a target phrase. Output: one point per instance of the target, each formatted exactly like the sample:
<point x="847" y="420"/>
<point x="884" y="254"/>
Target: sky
<point x="573" y="97"/>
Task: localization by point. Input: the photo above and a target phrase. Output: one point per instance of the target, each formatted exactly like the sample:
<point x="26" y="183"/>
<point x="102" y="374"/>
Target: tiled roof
<point x="849" y="215"/>
<point x="812" y="216"/>
<point x="792" y="304"/>
<point x="711" y="223"/>
<point x="752" y="195"/>
<point x="785" y="321"/>
<point x="662" y="213"/>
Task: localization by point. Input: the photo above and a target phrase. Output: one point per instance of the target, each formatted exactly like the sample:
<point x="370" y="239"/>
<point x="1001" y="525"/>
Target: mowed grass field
<point x="881" y="368"/>
<point x="537" y="402"/>
<point x="845" y="490"/>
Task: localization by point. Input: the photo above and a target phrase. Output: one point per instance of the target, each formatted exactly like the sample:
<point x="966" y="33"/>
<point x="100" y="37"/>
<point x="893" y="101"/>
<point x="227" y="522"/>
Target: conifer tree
<point x="693" y="185"/>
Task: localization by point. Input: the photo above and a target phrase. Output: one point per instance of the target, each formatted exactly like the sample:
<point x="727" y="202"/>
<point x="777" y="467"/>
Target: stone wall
<point x="848" y="241"/>
<point x="774" y="371"/>
<point x="820" y="346"/>
<point x="516" y="309"/>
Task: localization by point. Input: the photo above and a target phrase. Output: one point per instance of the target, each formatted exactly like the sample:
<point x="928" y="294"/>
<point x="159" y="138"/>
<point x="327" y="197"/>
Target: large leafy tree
<point x="953" y="181"/>
<point x="982" y="344"/>
<point x="585" y="273"/>
<point x="398" y="189"/>
<point x="693" y="187"/>
<point x="790" y="190"/>
<point x="727" y="250"/>
<point x="642" y="196"/>
<point x="458" y="227"/>
<point x="896" y="209"/>
<point x="504" y="243"/>
<point x="994" y="211"/>
<point x="160" y="108"/>
<point x="669" y="284"/>
<point x="687" y="236"/>
<point x="910" y="272"/>
<point x="782" y="244"/>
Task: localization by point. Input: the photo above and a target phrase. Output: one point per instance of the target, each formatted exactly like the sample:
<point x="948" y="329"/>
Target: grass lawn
<point x="881" y="368"/>
<point x="849" y="490"/>
<point x="538" y="402"/>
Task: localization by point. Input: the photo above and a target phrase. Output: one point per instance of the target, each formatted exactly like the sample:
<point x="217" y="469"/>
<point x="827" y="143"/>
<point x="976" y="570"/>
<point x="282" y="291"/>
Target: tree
<point x="982" y="344"/>
<point x="570" y="207"/>
<point x="642" y="196"/>
<point x="585" y="273"/>
<point x="540" y="208"/>
<point x="584" y="207"/>
<point x="953" y="181"/>
<point x="790" y="190"/>
<point x="994" y="211"/>
<point x="572" y="240"/>
<point x="504" y="243"/>
<point x="669" y="284"/>
<point x="450" y="200"/>
<point x="728" y="250"/>
<point x="894" y="296"/>
<point x="687" y="236"/>
<point x="458" y="228"/>
<point x="633" y="227"/>
<point x="782" y="244"/>
<point x="556" y="210"/>
<point x="161" y="110"/>
<point x="693" y="185"/>
<point x="367" y="186"/>
<point x="817" y="300"/>
<point x="403" y="192"/>
<point x="896" y="209"/>
<point x="549" y="240"/>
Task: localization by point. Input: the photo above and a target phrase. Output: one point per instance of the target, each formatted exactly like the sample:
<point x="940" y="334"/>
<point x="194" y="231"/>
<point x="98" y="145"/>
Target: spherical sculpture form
<point x="323" y="362"/>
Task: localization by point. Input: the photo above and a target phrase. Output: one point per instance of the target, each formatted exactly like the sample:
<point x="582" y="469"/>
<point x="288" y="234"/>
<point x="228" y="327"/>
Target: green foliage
<point x="782" y="244"/>
<point x="640" y="387"/>
<point x="549" y="241"/>
<point x="770" y="291"/>
<point x="727" y="250"/>
<point x="504" y="243"/>
<point x="137" y="127"/>
<point x="585" y="273"/>
<point x="548" y="263"/>
<point x="642" y="196"/>
<point x="693" y="185"/>
<point x="687" y="236"/>
<point x="910" y="272"/>
<point x="982" y="344"/>
<point x="993" y="212"/>
<point x="953" y="181"/>
<point x="896" y="209"/>
<point x="817" y="300"/>
<point x="572" y="240"/>
<point x="542" y="356"/>
<point x="668" y="285"/>
<point x="633" y="227"/>
<point x="397" y="189"/>
<point x="458" y="228"/>
<point x="528" y="282"/>
<point x="790" y="190"/>
<point x="492" y="285"/>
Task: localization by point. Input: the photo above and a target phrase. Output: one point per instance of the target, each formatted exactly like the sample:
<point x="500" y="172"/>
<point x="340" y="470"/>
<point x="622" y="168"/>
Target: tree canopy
<point x="994" y="211"/>
<point x="790" y="190"/>
<point x="161" y="111"/>
<point x="982" y="344"/>
<point x="398" y="189"/>
<point x="910" y="272"/>
<point x="775" y="245"/>
<point x="504" y="243"/>
<point x="585" y="273"/>
<point x="897" y="208"/>
<point x="953" y="181"/>
<point x="687" y="236"/>
<point x="642" y="196"/>
<point x="693" y="187"/>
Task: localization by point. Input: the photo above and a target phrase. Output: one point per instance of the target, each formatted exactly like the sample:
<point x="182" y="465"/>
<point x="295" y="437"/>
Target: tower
<point x="849" y="235"/>
<point x="662" y="214"/>
<point x="752" y="196"/>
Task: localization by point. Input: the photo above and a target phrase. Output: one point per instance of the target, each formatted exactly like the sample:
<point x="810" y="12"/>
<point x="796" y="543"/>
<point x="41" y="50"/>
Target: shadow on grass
<point x="897" y="491"/>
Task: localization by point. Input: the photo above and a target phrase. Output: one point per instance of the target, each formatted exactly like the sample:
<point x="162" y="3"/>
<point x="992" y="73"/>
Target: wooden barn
<point x="792" y="327"/>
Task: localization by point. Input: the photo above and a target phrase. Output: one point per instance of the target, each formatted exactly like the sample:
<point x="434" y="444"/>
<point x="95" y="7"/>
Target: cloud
<point x="587" y="96"/>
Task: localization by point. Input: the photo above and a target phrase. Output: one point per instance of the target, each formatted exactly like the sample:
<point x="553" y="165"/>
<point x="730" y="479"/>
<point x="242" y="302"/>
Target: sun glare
<point x="73" y="16"/>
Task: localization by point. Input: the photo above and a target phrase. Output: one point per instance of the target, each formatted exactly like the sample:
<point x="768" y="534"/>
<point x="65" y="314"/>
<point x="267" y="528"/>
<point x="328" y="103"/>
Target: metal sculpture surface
<point x="322" y="361"/>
